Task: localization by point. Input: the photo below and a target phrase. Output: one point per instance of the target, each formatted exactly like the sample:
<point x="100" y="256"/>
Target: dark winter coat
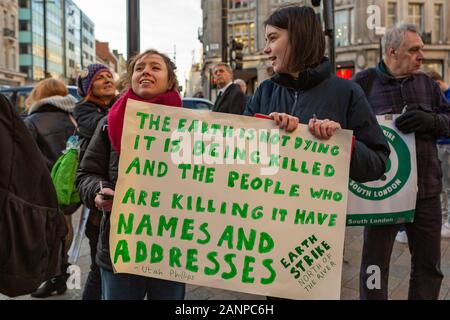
<point x="388" y="95"/>
<point x="100" y="163"/>
<point x="88" y="114"/>
<point x="233" y="100"/>
<point x="49" y="123"/>
<point x="319" y="92"/>
<point x="31" y="227"/>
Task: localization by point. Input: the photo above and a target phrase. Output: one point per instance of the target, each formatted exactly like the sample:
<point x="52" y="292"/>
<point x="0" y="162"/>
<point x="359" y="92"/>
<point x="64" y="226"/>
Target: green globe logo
<point x="385" y="188"/>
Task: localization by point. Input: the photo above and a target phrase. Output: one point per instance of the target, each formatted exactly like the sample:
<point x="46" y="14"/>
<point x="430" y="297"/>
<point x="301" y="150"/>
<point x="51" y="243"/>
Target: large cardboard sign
<point x="230" y="202"/>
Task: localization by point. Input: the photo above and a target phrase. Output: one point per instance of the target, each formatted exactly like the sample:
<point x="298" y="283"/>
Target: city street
<point x="398" y="280"/>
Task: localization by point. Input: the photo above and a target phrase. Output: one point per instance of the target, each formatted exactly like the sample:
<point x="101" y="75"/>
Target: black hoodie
<point x="319" y="92"/>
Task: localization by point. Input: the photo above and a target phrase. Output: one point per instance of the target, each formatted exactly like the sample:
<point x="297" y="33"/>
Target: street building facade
<point x="359" y="26"/>
<point x="73" y="43"/>
<point x="358" y="38"/>
<point x="106" y="57"/>
<point x="41" y="39"/>
<point x="193" y="85"/>
<point x="56" y="40"/>
<point x="87" y="41"/>
<point x="121" y="66"/>
<point x="10" y="74"/>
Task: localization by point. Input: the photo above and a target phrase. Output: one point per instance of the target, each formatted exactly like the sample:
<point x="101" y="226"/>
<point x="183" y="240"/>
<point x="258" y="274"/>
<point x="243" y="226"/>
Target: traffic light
<point x="236" y="55"/>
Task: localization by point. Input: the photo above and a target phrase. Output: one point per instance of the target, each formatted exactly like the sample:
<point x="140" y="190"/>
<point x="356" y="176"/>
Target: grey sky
<point x="164" y="24"/>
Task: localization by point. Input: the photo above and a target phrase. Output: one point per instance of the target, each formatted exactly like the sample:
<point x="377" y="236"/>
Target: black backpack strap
<point x="74" y="122"/>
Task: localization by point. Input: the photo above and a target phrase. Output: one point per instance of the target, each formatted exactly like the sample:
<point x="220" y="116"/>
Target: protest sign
<point x="391" y="199"/>
<point x="230" y="202"/>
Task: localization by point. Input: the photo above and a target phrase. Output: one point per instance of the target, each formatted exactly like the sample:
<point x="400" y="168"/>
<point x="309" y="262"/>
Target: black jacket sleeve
<point x="371" y="151"/>
<point x="238" y="103"/>
<point x="94" y="166"/>
<point x="87" y="117"/>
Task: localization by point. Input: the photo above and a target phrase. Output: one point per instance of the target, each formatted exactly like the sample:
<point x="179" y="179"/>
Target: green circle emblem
<point x="400" y="177"/>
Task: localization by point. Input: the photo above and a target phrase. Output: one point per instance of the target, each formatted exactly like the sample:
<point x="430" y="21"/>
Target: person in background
<point x="397" y="86"/>
<point x="445" y="88"/>
<point x="30" y="213"/>
<point x="443" y="145"/>
<point x="49" y="107"/>
<point x="121" y="83"/>
<point x="152" y="79"/>
<point x="243" y="85"/>
<point x="230" y="98"/>
<point x="97" y="88"/>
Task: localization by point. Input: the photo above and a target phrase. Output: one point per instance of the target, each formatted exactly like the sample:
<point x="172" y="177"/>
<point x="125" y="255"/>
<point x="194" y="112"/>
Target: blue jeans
<point x="132" y="287"/>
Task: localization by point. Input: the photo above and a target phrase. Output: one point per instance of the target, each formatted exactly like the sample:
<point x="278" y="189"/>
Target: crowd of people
<point x="303" y="90"/>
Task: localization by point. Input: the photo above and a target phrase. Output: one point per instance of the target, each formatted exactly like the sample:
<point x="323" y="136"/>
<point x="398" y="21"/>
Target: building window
<point x="241" y="4"/>
<point x="391" y="14"/>
<point x="71" y="46"/>
<point x="438" y="20"/>
<point x="24" y="3"/>
<point x="24" y="48"/>
<point x="244" y="33"/>
<point x="415" y="15"/>
<point x="71" y="63"/>
<point x="26" y="70"/>
<point x="24" y="25"/>
<point x="343" y="27"/>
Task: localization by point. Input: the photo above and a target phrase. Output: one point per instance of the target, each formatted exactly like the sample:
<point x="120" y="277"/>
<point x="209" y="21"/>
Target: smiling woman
<point x="304" y="90"/>
<point x="151" y="79"/>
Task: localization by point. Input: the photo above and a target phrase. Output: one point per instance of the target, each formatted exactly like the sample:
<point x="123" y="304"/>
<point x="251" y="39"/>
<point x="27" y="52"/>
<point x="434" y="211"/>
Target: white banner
<point x="249" y="208"/>
<point x="392" y="199"/>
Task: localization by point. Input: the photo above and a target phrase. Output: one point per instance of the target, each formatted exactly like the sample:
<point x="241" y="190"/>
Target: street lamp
<point x="133" y="27"/>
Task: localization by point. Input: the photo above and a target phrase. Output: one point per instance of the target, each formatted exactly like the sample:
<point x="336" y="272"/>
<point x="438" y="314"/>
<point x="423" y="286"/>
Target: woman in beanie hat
<point x="97" y="88"/>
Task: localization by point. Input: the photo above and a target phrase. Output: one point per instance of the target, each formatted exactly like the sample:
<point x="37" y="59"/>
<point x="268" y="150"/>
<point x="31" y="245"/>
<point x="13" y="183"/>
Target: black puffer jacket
<point x="100" y="163"/>
<point x="319" y="92"/>
<point x="88" y="114"/>
<point x="50" y="126"/>
<point x="31" y="228"/>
